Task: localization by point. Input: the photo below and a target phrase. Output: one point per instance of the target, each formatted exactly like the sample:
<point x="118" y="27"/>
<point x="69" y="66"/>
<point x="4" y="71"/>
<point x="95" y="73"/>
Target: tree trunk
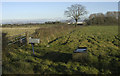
<point x="76" y="22"/>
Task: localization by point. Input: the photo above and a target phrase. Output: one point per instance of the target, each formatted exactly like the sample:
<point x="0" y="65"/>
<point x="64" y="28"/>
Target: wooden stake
<point x="27" y="37"/>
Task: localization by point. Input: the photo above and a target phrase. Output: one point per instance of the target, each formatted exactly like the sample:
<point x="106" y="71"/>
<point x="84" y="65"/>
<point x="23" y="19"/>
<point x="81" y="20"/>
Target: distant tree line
<point x="31" y="24"/>
<point x="109" y="18"/>
<point x="52" y="22"/>
<point x="26" y="25"/>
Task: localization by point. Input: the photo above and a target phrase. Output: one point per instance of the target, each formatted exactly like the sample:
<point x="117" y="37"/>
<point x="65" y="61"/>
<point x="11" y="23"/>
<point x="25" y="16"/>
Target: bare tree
<point x="75" y="11"/>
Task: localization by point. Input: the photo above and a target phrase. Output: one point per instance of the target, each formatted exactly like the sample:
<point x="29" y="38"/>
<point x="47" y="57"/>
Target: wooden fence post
<point x="27" y="37"/>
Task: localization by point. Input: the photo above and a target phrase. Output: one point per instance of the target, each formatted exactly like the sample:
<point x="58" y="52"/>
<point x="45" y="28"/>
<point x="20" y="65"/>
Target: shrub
<point x="82" y="57"/>
<point x="88" y="70"/>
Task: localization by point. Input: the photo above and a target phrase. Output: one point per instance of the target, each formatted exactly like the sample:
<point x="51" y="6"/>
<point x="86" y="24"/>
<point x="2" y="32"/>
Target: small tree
<point x="75" y="12"/>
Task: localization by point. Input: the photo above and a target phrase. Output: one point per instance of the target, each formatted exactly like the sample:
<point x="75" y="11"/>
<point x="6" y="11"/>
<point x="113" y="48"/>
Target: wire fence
<point x="19" y="39"/>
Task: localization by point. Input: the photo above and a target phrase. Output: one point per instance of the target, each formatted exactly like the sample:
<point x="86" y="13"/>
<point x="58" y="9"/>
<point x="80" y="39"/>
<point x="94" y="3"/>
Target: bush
<point x="18" y="68"/>
<point x="4" y="43"/>
<point x="81" y="57"/>
<point x="88" y="70"/>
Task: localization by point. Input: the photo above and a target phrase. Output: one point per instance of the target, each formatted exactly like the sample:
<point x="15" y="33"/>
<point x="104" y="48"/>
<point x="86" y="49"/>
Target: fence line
<point x="19" y="39"/>
<point x="16" y="35"/>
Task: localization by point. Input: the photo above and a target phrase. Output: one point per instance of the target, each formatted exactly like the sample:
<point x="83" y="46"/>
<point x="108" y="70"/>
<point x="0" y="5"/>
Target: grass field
<point x="55" y="55"/>
<point x="20" y="29"/>
<point x="17" y="30"/>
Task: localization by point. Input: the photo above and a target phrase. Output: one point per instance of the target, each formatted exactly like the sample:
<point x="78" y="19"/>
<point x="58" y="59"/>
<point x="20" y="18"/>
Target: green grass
<point x="102" y="56"/>
<point x="14" y="30"/>
<point x="17" y="30"/>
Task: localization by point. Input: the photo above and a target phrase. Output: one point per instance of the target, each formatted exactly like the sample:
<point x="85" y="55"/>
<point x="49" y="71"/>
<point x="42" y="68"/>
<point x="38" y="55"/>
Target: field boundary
<point x="19" y="39"/>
